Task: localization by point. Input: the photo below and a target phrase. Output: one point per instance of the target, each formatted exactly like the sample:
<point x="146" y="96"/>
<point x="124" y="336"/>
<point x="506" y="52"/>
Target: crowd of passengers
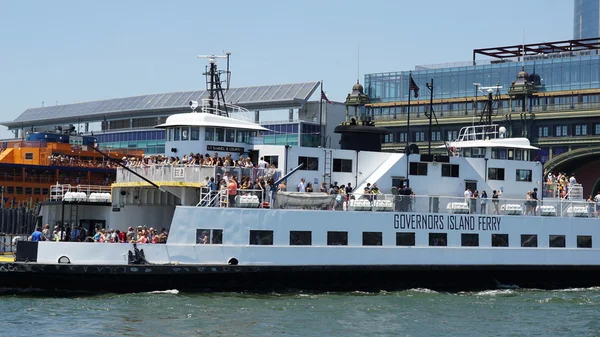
<point x="64" y="160"/>
<point x="142" y="234"/>
<point x="197" y="160"/>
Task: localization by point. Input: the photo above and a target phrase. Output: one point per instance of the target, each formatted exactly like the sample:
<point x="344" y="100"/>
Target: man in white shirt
<point x="572" y="180"/>
<point x="597" y="200"/>
<point x="301" y="186"/>
<point x="262" y="163"/>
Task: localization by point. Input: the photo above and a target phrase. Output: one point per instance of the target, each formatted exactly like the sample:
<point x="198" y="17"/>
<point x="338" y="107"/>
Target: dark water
<point x="572" y="312"/>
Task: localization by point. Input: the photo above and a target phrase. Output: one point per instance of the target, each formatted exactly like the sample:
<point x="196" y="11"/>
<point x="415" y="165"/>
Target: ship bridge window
<point x="185" y="133"/>
<point x="29" y="156"/>
<point x="438" y="239"/>
<point x="230" y="135"/>
<point x="219" y="134"/>
<point x="450" y="170"/>
<point x="310" y="163"/>
<point x="499" y="153"/>
<point x="584" y="241"/>
<point x="405" y="239"/>
<point x="176" y="134"/>
<point x="261" y="238"/>
<point x="495" y="173"/>
<point x="209" y="134"/>
<point x="209" y="236"/>
<point x="337" y="238"/>
<point x="300" y="238"/>
<point x="195" y="133"/>
<point x="372" y="239"/>
<point x="418" y="169"/>
<point x="529" y="240"/>
<point x="523" y="175"/>
<point x="557" y="241"/>
<point x="242" y="136"/>
<point x="342" y="165"/>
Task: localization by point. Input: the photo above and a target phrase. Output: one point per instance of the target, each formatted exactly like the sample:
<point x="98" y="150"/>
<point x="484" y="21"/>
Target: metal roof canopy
<point x="539" y="48"/>
<point x="268" y="97"/>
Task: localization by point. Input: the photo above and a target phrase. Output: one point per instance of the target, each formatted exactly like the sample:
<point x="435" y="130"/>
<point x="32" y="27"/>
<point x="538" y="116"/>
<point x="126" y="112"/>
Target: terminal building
<point x="548" y="92"/>
<point x="129" y="123"/>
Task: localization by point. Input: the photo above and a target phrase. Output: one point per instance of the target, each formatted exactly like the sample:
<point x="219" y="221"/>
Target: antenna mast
<point x="214" y="84"/>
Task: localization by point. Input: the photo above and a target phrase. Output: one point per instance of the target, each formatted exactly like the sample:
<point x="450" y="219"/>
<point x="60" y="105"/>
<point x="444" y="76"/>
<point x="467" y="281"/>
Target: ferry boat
<point x="30" y="165"/>
<point x="420" y="227"/>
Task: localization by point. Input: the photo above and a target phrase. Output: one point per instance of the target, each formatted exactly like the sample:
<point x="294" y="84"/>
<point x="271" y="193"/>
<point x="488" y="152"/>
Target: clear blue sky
<point x="74" y="51"/>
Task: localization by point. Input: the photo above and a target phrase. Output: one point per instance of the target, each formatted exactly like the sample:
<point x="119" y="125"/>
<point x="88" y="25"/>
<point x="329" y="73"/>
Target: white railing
<point x="233" y="111"/>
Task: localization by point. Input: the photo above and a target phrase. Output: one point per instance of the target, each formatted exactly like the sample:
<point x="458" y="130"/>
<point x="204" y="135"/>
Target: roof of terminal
<point x="266" y="97"/>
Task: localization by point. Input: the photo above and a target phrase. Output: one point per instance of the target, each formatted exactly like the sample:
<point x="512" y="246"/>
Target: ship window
<point x="300" y="238"/>
<point x="185" y="133"/>
<point x="529" y="240"/>
<point x="195" y="133"/>
<point x="499" y="240"/>
<point x="418" y="169"/>
<point x="11" y="190"/>
<point x="310" y="163"/>
<point x="19" y="190"/>
<point x="230" y="135"/>
<point x="523" y="175"/>
<point x="219" y="134"/>
<point x="209" y="134"/>
<point x="405" y="239"/>
<point x="450" y="170"/>
<point x="261" y="238"/>
<point x="337" y="238"/>
<point x="584" y="241"/>
<point x="469" y="240"/>
<point x="438" y="239"/>
<point x="495" y="173"/>
<point x="36" y="190"/>
<point x="45" y="191"/>
<point x="209" y="236"/>
<point x="28" y="190"/>
<point x="342" y="165"/>
<point x="29" y="156"/>
<point x="372" y="238"/>
<point x="176" y="134"/>
<point x="557" y="241"/>
<point x="272" y="160"/>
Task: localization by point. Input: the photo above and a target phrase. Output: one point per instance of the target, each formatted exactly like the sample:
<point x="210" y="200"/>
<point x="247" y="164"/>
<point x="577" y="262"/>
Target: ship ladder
<point x="223" y="197"/>
<point x="327" y="171"/>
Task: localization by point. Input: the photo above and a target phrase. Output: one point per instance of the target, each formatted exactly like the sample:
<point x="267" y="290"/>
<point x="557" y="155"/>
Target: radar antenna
<point x="214" y="84"/>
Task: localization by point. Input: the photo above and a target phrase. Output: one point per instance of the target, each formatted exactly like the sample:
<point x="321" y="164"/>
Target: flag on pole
<point x="413" y="86"/>
<point x="324" y="97"/>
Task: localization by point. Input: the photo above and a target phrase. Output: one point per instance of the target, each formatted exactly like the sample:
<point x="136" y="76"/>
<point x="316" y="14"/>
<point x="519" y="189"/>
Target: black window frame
<point x="418" y="169"/>
<point x="28" y="155"/>
<point x="272" y="160"/>
<point x="580" y="239"/>
<point x="300" y="238"/>
<point x="469" y="240"/>
<point x="529" y="240"/>
<point x="405" y="239"/>
<point x="342" y="165"/>
<point x="450" y="170"/>
<point x="495" y="173"/>
<point x="372" y="238"/>
<point x="557" y="241"/>
<point x="310" y="163"/>
<point x="500" y="240"/>
<point x="438" y="236"/>
<point x="337" y="238"/>
<point x="265" y="237"/>
<point x="517" y="175"/>
<point x="215" y="236"/>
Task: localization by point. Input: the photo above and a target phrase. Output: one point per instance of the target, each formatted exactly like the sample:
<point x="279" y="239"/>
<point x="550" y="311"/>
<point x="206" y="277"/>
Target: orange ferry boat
<point x="29" y="166"/>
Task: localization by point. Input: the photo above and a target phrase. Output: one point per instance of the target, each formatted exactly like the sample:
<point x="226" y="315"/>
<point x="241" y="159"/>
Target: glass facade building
<point x="557" y="72"/>
<point x="151" y="141"/>
<point x="586" y="21"/>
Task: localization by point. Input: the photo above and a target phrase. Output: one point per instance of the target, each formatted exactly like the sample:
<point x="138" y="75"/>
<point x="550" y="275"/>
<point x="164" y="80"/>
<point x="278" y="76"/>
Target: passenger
<point x="47" y="232"/>
<point x="534" y="200"/>
<point x="528" y="203"/>
<point x="232" y="191"/>
<point x="323" y="187"/>
<point x="597" y="200"/>
<point x="484" y="202"/>
<point x="495" y="201"/>
<point x="37" y="235"/>
<point x="301" y="186"/>
<point x="309" y="187"/>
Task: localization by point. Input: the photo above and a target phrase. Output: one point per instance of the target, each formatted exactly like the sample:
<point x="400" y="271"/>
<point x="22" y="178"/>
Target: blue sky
<point x="74" y="51"/>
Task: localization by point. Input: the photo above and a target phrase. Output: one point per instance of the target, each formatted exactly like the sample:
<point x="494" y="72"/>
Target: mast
<point x="214" y="87"/>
